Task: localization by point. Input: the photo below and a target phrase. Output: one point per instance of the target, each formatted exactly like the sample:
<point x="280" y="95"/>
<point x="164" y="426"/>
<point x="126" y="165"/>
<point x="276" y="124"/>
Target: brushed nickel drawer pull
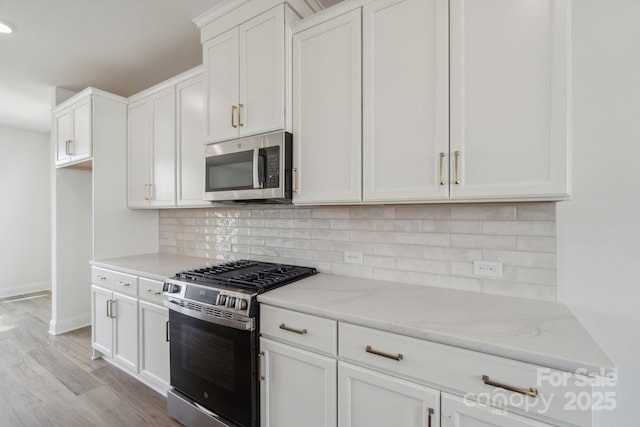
<point x="152" y="292"/>
<point x="429" y="415"/>
<point x="297" y="331"/>
<point x="99" y="277"/>
<point x="240" y="115"/>
<point x="442" y="181"/>
<point x="457" y="154"/>
<point x="233" y="116"/>
<point x="121" y="283"/>
<point x="533" y="392"/>
<point x="387" y="355"/>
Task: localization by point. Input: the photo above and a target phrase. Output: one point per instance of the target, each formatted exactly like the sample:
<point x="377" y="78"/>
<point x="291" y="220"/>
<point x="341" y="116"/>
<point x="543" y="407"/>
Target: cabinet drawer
<point x="120" y="282"/>
<point x="461" y="371"/>
<point x="299" y="329"/>
<point x="150" y="290"/>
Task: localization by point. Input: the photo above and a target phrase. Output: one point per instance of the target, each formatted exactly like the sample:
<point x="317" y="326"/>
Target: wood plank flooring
<point x="52" y="381"/>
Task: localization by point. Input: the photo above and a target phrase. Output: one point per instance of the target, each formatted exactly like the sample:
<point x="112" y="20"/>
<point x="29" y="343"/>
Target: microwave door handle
<point x="256" y="168"/>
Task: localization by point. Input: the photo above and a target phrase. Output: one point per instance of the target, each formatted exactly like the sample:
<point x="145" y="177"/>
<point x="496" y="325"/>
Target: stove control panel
<point x="227" y="300"/>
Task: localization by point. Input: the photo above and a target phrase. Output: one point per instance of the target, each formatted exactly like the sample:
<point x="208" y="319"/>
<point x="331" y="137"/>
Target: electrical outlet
<point x="353" y="257"/>
<point x="487" y="268"/>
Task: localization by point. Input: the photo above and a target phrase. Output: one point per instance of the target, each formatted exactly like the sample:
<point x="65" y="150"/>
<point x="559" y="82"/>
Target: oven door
<point x="215" y="365"/>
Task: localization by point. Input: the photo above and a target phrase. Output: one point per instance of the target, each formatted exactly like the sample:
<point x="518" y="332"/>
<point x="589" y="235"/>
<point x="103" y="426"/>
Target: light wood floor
<point x="52" y="381"/>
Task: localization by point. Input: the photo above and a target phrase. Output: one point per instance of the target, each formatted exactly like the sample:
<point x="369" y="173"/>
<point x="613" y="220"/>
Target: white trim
<point x="27" y="288"/>
<point x="57" y="327"/>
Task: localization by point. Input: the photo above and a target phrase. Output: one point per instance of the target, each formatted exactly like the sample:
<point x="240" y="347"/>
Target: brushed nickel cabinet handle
<point x="260" y="372"/>
<point x="109" y="308"/>
<point x="146" y="191"/>
<point x="297" y="331"/>
<point x="233" y="116"/>
<point x="99" y="277"/>
<point x="121" y="283"/>
<point x="240" y="115"/>
<point x="429" y="416"/>
<point x="442" y="181"/>
<point x="532" y="391"/>
<point x="457" y="154"/>
<point x="113" y="316"/>
<point x="397" y="357"/>
<point x="150" y="192"/>
<point x="152" y="292"/>
<point x="67" y="147"/>
<point x="166" y="331"/>
<point x="294" y="180"/>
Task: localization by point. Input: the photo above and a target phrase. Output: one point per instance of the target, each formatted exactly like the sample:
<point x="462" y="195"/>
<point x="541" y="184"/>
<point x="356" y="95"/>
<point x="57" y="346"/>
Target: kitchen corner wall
<point x="432" y="245"/>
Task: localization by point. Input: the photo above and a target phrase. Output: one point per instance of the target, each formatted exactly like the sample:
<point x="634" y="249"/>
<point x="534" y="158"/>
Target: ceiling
<point x="121" y="46"/>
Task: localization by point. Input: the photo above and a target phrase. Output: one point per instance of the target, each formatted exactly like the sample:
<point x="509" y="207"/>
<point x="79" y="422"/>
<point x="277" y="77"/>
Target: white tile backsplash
<point x="432" y="245"/>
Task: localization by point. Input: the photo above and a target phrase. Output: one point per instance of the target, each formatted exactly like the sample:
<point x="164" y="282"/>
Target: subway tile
<point x="372" y="212"/>
<point x="264" y="251"/>
<point x="384" y="225"/>
<point x="519" y="228"/>
<point x="352" y="224"/>
<point x="536" y="244"/>
<point x="465" y="227"/>
<point x="451" y="254"/>
<point x="422" y="265"/>
<point x="380" y="261"/>
<point x="264" y="232"/>
<point x="328" y="256"/>
<point x="483" y="242"/>
<point x="331" y="213"/>
<point x="536" y="211"/>
<point x="215" y="213"/>
<point x="502" y="212"/>
<point x="294" y="233"/>
<point x="312" y="223"/>
<point x="388" y="249"/>
<point x="295" y="254"/>
<point x="255" y="222"/>
<point x="330" y="235"/>
<point x="185" y="221"/>
<point x="295" y="213"/>
<point x="423" y="212"/>
<point x="352" y="270"/>
<point x="425" y="239"/>
<point x="279" y="223"/>
<point x="279" y="243"/>
<point x="249" y="240"/>
<point x="521" y="259"/>
<point x="372" y="236"/>
<point x="436" y="226"/>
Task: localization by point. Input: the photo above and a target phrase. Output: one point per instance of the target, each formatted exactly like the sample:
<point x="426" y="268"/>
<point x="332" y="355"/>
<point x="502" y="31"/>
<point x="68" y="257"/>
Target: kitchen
<point x="594" y="230"/>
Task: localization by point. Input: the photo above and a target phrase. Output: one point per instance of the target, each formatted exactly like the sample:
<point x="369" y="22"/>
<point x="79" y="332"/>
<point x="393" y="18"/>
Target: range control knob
<point x="242" y="304"/>
<point x="222" y="300"/>
<point x="174" y="289"/>
<point x="231" y="302"/>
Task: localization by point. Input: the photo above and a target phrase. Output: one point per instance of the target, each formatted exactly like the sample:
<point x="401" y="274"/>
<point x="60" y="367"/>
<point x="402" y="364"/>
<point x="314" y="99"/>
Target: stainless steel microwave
<point x="256" y="169"/>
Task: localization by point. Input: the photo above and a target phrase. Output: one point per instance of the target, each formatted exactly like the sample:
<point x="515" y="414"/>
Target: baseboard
<point x="25" y="289"/>
<point x="57" y="327"/>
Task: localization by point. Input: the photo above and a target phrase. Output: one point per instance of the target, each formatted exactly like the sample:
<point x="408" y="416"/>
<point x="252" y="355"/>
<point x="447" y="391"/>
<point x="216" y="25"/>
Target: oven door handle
<point x="243" y="325"/>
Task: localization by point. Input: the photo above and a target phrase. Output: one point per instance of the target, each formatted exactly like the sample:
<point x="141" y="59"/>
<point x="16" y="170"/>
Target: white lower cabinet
<point x="298" y="389"/>
<point x="130" y="325"/>
<point x="368" y="398"/>
<point x="154" y="343"/>
<point x="460" y="412"/>
<point x="115" y="320"/>
<point x="386" y="379"/>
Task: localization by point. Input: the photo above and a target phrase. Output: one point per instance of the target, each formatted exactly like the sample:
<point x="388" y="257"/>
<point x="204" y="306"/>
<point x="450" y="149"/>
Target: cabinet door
<point x="102" y="323"/>
<point x="220" y="58"/>
<point x="125" y="337"/>
<point x="82" y="136"/>
<point x="138" y="158"/>
<point x="327" y="108"/>
<point x="405" y="100"/>
<point x="262" y="73"/>
<point x="62" y="134"/>
<point x="189" y="143"/>
<point x="509" y="99"/>
<point x="368" y="398"/>
<point x="154" y="343"/>
<point x="163" y="151"/>
<point x="299" y="388"/>
<point x="457" y="412"/>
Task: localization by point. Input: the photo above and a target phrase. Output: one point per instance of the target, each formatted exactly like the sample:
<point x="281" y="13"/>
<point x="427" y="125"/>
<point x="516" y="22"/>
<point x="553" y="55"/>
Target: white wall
<point x="25" y="217"/>
<point x="598" y="236"/>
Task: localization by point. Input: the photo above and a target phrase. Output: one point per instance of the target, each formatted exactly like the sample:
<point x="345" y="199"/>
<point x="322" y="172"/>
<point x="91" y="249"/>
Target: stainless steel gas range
<point x="213" y="329"/>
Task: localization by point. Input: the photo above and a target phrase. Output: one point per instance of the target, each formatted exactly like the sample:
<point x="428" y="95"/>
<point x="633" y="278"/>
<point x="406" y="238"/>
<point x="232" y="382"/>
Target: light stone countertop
<point x="156" y="266"/>
<point x="539" y="332"/>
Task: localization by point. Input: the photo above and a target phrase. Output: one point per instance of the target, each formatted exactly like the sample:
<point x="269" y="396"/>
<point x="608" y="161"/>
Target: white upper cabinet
<point x="73" y="132"/>
<point x="189" y="148"/>
<point x="327" y="111"/>
<point x="405" y="99"/>
<point x="245" y="78"/>
<point x="152" y="150"/>
<point x="509" y="99"/>
<point x="165" y="151"/>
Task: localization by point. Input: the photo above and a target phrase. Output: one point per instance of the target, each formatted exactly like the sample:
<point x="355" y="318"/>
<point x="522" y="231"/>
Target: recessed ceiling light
<point x="5" y="28"/>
